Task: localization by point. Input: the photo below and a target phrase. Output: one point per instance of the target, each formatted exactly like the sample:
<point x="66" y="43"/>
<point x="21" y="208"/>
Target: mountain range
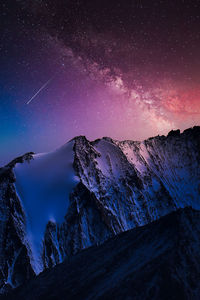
<point x="54" y="205"/>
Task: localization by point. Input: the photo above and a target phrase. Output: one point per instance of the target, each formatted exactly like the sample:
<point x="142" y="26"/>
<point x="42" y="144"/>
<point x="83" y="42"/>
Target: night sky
<point x="124" y="69"/>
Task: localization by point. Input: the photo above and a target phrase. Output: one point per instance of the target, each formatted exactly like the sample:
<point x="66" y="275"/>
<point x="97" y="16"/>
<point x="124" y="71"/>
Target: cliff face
<point x="15" y="252"/>
<point x="86" y="192"/>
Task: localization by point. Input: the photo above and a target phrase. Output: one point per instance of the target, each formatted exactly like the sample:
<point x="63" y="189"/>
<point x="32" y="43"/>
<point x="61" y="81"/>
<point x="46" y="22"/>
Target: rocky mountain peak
<point x="53" y="205"/>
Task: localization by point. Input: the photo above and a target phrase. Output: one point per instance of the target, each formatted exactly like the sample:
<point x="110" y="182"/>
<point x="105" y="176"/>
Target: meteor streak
<point x="42" y="87"/>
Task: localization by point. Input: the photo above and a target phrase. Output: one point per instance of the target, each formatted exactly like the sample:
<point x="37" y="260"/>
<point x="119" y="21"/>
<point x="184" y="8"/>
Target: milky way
<point x="125" y="69"/>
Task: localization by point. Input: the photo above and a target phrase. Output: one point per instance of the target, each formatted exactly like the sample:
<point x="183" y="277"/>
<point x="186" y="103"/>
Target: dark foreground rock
<point x="160" y="260"/>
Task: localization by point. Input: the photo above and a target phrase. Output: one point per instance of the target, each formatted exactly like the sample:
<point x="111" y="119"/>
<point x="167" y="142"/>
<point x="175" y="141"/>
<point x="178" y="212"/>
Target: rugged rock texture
<point x="86" y="192"/>
<point x="160" y="260"/>
<point x="15" y="265"/>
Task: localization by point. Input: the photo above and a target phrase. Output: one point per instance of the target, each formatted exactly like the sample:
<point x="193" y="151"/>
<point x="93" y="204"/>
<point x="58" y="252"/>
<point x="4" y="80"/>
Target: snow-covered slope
<point x="43" y="185"/>
<point x="86" y="192"/>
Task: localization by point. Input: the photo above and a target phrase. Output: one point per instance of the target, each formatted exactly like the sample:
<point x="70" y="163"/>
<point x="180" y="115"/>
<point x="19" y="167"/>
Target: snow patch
<point x="44" y="185"/>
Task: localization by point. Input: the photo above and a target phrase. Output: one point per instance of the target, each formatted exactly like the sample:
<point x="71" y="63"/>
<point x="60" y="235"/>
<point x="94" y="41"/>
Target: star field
<point x="125" y="69"/>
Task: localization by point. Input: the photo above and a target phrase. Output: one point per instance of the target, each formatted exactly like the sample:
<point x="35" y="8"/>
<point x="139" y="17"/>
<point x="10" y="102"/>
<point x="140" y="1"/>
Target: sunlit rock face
<point x="53" y="205"/>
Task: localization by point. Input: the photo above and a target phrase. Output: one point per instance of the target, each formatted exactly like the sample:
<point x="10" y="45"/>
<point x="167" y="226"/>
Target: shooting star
<point x="42" y="87"/>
